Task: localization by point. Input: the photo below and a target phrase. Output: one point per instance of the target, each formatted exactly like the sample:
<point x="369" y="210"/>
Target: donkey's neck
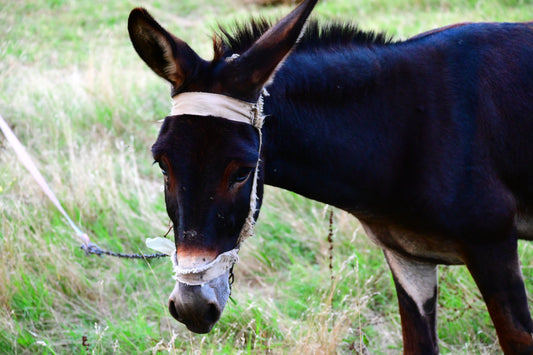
<point x="338" y="125"/>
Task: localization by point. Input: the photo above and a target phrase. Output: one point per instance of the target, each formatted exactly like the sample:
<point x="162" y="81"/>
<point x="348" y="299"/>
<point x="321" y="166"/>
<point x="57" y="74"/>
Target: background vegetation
<point x="86" y="107"/>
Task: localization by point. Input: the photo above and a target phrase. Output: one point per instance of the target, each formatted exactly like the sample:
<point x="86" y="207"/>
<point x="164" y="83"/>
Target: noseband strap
<point x="195" y="275"/>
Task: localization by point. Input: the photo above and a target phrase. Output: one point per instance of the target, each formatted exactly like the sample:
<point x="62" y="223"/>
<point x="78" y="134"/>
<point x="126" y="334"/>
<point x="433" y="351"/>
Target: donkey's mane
<point x="318" y="35"/>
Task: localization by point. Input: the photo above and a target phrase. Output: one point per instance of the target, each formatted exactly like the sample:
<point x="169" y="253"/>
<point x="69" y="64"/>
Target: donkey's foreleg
<point x="416" y="286"/>
<point x="496" y="269"/>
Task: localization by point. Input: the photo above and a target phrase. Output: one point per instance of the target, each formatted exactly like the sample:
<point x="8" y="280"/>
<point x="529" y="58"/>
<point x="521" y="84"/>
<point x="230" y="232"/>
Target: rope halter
<point x="215" y="105"/>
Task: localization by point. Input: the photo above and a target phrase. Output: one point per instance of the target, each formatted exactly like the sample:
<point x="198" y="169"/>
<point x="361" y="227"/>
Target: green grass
<point x="86" y="107"/>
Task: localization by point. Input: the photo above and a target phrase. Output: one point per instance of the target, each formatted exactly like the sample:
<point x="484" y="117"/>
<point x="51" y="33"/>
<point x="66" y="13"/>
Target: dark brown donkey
<point x="428" y="142"/>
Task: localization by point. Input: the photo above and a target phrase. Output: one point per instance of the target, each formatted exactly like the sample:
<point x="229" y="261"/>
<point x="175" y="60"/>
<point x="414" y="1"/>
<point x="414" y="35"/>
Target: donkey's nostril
<point x="213" y="313"/>
<point x="173" y="311"/>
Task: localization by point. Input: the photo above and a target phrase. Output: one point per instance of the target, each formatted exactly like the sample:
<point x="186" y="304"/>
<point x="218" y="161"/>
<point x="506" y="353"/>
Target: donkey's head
<point x="209" y="152"/>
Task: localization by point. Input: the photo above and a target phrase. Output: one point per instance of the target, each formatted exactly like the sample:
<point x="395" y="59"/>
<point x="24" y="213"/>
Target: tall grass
<point x="86" y="107"/>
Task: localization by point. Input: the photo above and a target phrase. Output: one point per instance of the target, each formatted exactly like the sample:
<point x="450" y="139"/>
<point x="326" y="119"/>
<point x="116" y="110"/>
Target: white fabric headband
<point x="216" y="105"/>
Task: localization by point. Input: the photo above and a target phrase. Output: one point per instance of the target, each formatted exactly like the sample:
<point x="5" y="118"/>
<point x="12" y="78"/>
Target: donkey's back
<point x="485" y="116"/>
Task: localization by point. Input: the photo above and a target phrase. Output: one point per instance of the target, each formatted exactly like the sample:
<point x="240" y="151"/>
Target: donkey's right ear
<point x="167" y="55"/>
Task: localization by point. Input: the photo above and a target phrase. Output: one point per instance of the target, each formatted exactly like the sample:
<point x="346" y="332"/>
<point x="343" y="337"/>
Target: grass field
<point x="86" y="107"/>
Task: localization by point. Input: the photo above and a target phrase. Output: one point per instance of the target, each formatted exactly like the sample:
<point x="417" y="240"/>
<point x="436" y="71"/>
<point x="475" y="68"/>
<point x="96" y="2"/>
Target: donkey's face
<point x="208" y="159"/>
<point x="208" y="166"/>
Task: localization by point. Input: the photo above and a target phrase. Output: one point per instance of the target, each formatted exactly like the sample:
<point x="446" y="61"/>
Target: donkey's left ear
<point x="168" y="56"/>
<point x="255" y="67"/>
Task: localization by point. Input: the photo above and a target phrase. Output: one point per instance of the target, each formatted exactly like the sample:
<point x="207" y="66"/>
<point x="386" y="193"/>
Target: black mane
<point x="330" y="35"/>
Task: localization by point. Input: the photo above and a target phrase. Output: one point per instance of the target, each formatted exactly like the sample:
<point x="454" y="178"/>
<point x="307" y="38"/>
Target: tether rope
<point x="28" y="163"/>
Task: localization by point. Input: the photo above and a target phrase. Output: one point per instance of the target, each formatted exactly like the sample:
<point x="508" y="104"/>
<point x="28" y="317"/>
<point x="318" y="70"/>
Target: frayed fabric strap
<point x="196" y="275"/>
<point x="207" y="104"/>
<point x="207" y="272"/>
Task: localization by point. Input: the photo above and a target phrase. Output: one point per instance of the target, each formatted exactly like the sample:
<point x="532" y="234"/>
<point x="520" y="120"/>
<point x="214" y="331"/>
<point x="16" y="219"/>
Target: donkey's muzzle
<point x="199" y="307"/>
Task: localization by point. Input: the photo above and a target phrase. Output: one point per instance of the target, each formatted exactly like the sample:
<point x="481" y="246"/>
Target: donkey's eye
<point x="164" y="168"/>
<point x="241" y="174"/>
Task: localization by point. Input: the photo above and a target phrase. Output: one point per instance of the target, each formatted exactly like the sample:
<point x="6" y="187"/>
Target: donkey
<point x="427" y="141"/>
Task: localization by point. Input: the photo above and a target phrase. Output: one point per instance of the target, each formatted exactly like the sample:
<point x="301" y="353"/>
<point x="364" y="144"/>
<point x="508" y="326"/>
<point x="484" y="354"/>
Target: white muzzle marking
<point x="207" y="104"/>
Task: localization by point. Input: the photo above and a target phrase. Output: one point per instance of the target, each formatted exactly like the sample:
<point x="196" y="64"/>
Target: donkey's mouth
<point x="203" y="322"/>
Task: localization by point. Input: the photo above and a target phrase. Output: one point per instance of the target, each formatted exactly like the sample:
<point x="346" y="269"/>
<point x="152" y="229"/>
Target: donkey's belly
<point x="428" y="248"/>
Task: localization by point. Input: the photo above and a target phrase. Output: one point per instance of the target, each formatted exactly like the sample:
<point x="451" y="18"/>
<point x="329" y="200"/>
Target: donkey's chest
<point x="425" y="247"/>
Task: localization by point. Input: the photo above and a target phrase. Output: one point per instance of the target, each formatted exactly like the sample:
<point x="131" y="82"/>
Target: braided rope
<point x="94" y="249"/>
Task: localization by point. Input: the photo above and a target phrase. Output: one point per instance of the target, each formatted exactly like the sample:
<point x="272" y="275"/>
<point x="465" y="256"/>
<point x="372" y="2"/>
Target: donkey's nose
<point x="200" y="320"/>
<point x="195" y="306"/>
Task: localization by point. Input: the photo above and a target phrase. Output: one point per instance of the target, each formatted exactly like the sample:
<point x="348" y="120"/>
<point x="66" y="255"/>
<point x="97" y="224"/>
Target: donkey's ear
<point x="167" y="55"/>
<point x="256" y="66"/>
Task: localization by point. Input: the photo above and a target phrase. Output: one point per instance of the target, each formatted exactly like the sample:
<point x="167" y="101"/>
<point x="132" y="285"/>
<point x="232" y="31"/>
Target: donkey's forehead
<point x="187" y="135"/>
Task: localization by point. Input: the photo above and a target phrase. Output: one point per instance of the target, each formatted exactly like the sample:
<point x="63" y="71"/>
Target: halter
<point x="215" y="105"/>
